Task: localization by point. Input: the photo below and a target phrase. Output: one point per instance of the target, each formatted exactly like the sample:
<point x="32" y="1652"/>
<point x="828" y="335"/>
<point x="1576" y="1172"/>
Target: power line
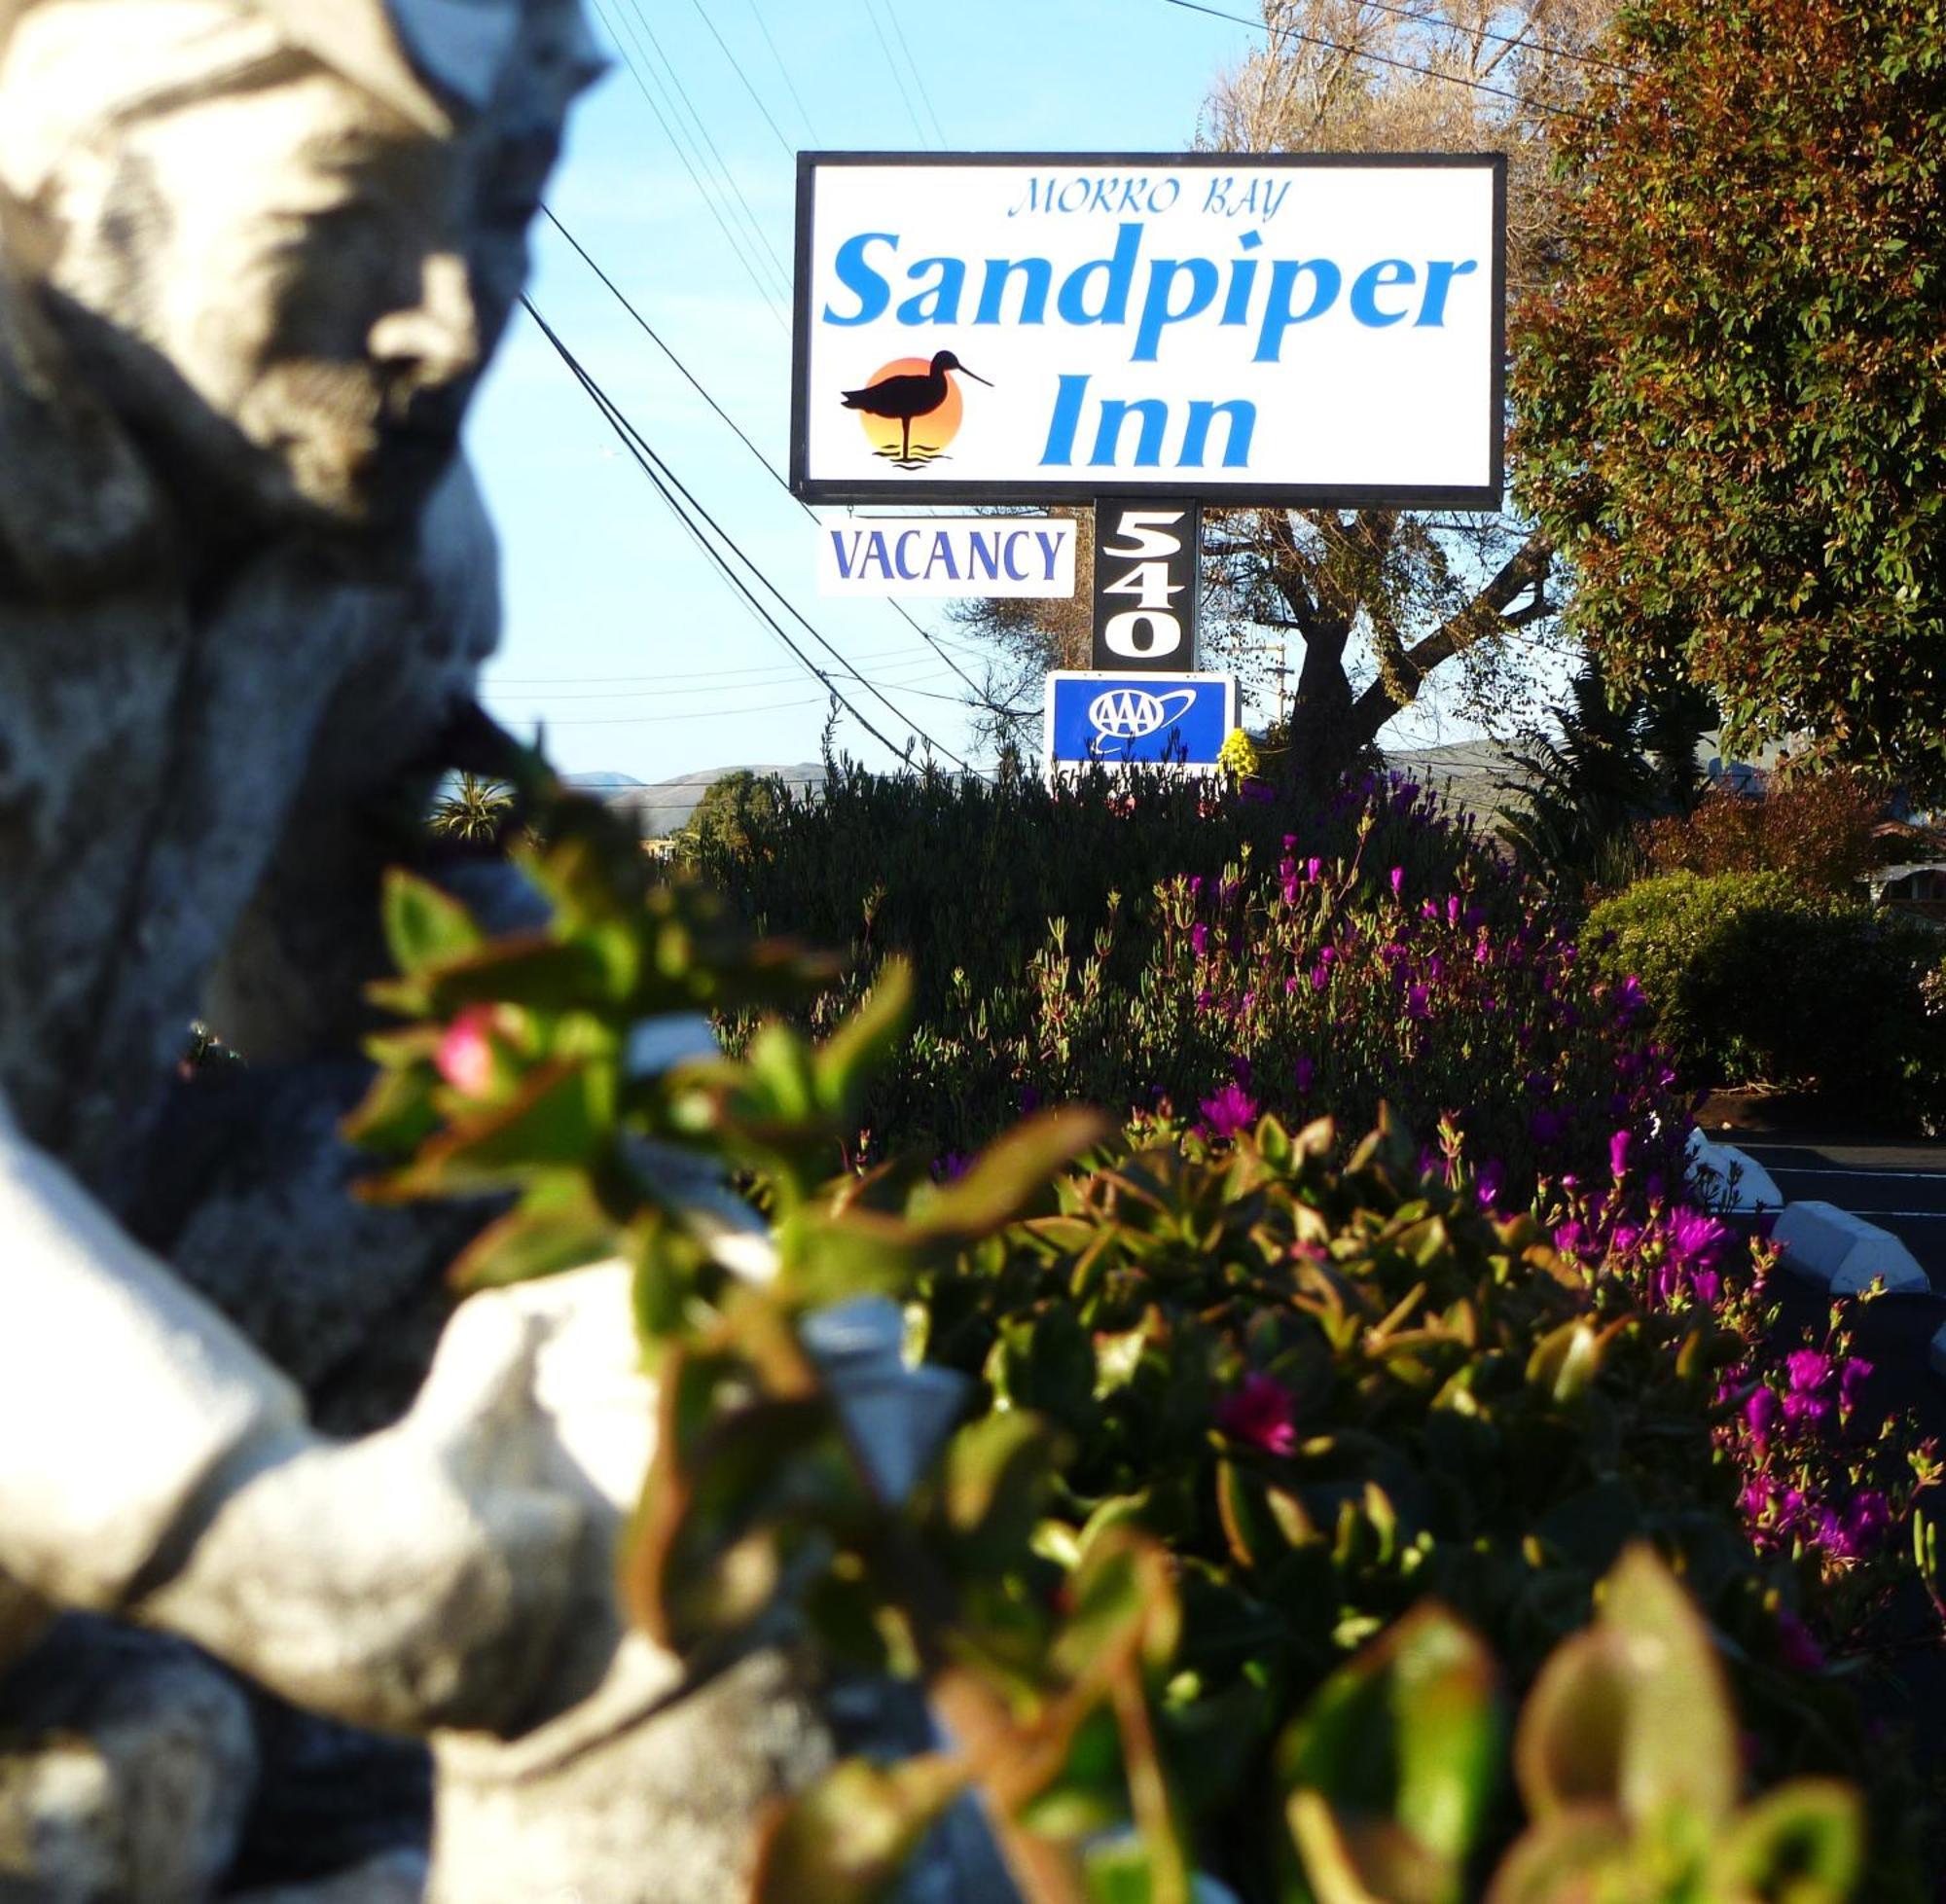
<point x="1512" y="40"/>
<point x="767" y="292"/>
<point x="777" y="475"/>
<point x="1378" y="60"/>
<point x="696" y="118"/>
<point x="650" y="685"/>
<point x="790" y="85"/>
<point x="666" y="480"/>
<point x="892" y="67"/>
<point x="917" y="72"/>
<point x="737" y="66"/>
<point x="695" y="674"/>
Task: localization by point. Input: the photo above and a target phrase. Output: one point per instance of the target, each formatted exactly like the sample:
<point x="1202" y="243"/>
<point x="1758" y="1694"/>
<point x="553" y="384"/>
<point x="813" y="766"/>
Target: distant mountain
<point x="664" y="807"/>
<point x="601" y="783"/>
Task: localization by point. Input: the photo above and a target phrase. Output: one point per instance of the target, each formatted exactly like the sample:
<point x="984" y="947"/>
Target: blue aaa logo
<point x="1130" y="713"/>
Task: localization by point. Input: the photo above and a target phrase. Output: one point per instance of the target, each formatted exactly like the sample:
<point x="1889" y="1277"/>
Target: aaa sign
<point x="1229" y="328"/>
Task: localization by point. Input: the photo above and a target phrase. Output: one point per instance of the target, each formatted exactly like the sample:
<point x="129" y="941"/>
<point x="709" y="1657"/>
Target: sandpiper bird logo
<point x="906" y="391"/>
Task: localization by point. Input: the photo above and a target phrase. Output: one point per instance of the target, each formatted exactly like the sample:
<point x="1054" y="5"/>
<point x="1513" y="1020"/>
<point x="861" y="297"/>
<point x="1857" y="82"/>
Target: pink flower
<point x="465" y="1055"/>
<point x="1261" y="1414"/>
<point x="1808" y="1370"/>
<point x="1230" y="1113"/>
<point x="1399" y="882"/>
<point x="1618" y="1154"/>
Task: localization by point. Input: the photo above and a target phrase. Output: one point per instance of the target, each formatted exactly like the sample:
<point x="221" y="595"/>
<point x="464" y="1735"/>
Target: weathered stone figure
<point x="253" y="257"/>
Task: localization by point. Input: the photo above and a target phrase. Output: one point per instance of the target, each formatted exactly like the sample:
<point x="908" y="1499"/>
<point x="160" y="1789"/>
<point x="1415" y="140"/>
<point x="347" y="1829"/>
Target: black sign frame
<point x="1489" y="495"/>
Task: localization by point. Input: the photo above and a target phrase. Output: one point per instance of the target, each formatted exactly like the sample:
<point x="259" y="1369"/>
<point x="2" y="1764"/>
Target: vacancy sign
<point x="1222" y="327"/>
<point x="1024" y="555"/>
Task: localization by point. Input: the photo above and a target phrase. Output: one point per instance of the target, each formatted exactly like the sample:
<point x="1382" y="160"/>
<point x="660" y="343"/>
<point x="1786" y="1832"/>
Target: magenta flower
<point x="1809" y="1371"/>
<point x="465" y="1055"/>
<point x="1261" y="1414"/>
<point x="1417" y="1002"/>
<point x="1198" y="939"/>
<point x="1761" y="1411"/>
<point x="1399" y="882"/>
<point x="1230" y="1113"/>
<point x="1618" y="1154"/>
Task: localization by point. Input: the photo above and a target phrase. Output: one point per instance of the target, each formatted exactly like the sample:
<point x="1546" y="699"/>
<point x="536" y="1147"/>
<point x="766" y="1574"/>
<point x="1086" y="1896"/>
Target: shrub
<point x="1818" y="828"/>
<point x="1378" y="955"/>
<point x="1235" y="1408"/>
<point x="1752" y="977"/>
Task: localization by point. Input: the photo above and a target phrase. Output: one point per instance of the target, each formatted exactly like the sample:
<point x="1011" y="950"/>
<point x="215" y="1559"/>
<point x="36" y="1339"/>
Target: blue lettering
<point x="941" y="552"/>
<point x="1064" y="423"/>
<point x="1242" y="418"/>
<point x="907" y="573"/>
<point x="1015" y="572"/>
<point x="858" y="277"/>
<point x="1439" y="276"/>
<point x="1281" y="312"/>
<point x="937" y="303"/>
<point x="877" y="552"/>
<point x="1038" y="276"/>
<point x="1049" y="549"/>
<point x="983" y="555"/>
<point x="1373" y="279"/>
<point x="845" y="557"/>
<point x="1120" y="272"/>
<point x="1159" y="310"/>
<point x="1115" y="413"/>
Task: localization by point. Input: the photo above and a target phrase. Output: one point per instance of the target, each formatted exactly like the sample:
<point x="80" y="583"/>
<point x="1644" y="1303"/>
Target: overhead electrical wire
<point x="737" y="66"/>
<point x="892" y="67"/>
<point x="669" y="487"/>
<point x="766" y="291"/>
<point x="688" y="674"/>
<point x="1514" y="42"/>
<point x="1378" y="59"/>
<point x="790" y="85"/>
<point x="777" y="475"/>
<point x="918" y="71"/>
<point x="681" y="91"/>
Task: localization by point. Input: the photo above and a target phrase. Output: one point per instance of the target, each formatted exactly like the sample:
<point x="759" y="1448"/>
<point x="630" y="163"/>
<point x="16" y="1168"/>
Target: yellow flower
<point x="1238" y="756"/>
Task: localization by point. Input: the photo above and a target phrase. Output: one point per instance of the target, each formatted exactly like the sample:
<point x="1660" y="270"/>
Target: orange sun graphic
<point x="932" y="432"/>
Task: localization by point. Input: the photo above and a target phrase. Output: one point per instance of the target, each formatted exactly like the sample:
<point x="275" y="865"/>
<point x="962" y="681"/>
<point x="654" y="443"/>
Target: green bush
<point x="1161" y="946"/>
<point x="1755" y="979"/>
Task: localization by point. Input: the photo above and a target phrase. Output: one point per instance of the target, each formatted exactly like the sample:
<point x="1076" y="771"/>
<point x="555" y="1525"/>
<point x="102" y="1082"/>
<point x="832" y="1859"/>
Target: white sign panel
<point x="1223" y="327"/>
<point x="1025" y="555"/>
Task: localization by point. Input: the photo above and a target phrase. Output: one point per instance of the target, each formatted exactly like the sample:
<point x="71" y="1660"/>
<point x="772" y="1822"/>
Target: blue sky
<point x="619" y="634"/>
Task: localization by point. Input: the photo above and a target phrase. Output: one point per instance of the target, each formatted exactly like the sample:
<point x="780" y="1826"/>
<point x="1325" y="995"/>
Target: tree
<point x="474" y="811"/>
<point x="721" y="822"/>
<point x="1732" y="406"/>
<point x="1581" y="793"/>
<point x="1379" y="599"/>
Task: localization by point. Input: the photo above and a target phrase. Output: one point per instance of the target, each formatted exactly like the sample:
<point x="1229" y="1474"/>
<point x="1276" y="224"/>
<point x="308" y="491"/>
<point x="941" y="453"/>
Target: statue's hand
<point x="416" y="1578"/>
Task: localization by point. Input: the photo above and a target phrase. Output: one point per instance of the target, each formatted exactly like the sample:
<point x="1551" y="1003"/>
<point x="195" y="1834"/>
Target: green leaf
<point x="994" y="1479"/>
<point x="1633" y="1714"/>
<point x="558" y="1226"/>
<point x="861" y="1047"/>
<point x="424" y="928"/>
<point x="848" y="1838"/>
<point x="1557" y="1862"/>
<point x="1007" y="1175"/>
<point x="562" y="1118"/>
<point x="397" y="1114"/>
<point x="1392" y="1767"/>
<point x="1802" y="1843"/>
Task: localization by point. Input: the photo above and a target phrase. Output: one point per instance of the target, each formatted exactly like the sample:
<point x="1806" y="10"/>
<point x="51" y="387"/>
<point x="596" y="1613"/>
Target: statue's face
<point x="309" y="265"/>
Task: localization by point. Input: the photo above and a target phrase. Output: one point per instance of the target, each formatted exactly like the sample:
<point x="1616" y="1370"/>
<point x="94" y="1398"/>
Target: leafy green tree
<point x="1580" y="793"/>
<point x="728" y="808"/>
<point x="473" y="812"/>
<point x="1732" y="406"/>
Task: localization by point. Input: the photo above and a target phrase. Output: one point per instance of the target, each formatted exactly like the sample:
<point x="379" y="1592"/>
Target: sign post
<point x="1171" y="332"/>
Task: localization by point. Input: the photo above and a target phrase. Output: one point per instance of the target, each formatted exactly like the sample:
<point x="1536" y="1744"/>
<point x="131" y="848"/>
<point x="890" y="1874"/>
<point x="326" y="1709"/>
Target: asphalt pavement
<point x="1901" y="1187"/>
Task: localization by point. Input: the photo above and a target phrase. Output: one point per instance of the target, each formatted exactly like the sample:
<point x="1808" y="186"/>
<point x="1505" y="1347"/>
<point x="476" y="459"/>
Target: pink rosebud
<point x="465" y="1055"/>
<point x="1261" y="1414"/>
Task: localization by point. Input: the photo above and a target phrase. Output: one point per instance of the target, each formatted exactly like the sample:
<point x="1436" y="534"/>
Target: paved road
<point x="1900" y="1186"/>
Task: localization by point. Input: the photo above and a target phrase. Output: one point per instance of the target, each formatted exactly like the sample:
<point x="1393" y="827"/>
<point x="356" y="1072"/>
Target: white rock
<point x="1728" y="1178"/>
<point x="1826" y="1244"/>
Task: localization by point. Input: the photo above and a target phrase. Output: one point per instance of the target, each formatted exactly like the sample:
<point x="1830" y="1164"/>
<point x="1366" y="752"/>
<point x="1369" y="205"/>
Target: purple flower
<point x="1808" y="1370"/>
<point x="1618" y="1154"/>
<point x="1261" y="1414"/>
<point x="1417" y="1002"/>
<point x="1490" y="1181"/>
<point x="1313" y="869"/>
<point x="1399" y="882"/>
<point x="1761" y="1411"/>
<point x="1229" y="1113"/>
<point x="1795" y="1645"/>
<point x="1852" y="1377"/>
<point x="1304" y="1075"/>
<point x="1198" y="939"/>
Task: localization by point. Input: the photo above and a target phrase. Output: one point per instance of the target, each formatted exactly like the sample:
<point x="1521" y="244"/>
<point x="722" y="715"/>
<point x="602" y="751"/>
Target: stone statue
<point x="254" y="255"/>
